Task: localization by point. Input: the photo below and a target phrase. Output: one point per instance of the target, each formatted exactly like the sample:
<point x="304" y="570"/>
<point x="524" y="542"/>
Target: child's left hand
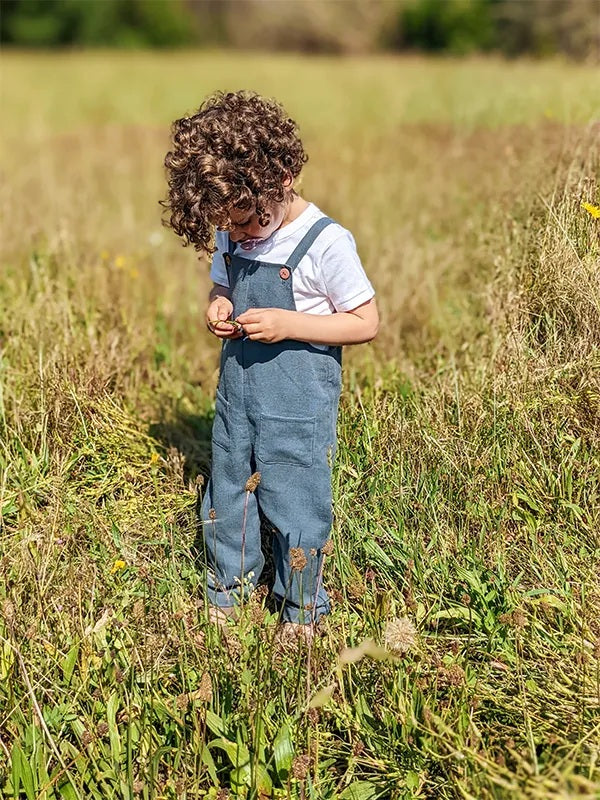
<point x="266" y="324"/>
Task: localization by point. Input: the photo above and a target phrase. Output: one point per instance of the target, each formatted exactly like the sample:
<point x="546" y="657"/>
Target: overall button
<point x="284" y="273"/>
<point x="227" y="259"/>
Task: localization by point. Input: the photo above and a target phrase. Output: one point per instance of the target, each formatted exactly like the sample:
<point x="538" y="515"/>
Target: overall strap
<point x="307" y="240"/>
<point x="227" y="259"/>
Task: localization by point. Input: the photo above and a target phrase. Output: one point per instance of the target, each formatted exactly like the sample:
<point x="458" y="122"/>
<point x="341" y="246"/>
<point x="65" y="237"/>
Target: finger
<point x="252" y="328"/>
<point x="252" y="315"/>
<point x="225" y="324"/>
<point x="226" y="335"/>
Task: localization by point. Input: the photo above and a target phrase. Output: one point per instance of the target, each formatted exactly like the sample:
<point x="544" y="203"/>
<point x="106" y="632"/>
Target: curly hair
<point x="236" y="151"/>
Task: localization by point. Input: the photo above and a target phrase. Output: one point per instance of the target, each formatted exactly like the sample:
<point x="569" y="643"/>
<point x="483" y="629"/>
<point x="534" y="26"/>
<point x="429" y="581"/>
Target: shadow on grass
<point x="190" y="436"/>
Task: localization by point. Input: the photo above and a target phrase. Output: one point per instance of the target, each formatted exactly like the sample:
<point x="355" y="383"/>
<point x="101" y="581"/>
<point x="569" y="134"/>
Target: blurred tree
<point x="50" y="23"/>
<point x="571" y="27"/>
<point x="456" y="26"/>
<point x="319" y="26"/>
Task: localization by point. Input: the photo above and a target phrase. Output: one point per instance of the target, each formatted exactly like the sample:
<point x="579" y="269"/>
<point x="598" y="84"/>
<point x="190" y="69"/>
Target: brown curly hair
<point x="236" y="151"/>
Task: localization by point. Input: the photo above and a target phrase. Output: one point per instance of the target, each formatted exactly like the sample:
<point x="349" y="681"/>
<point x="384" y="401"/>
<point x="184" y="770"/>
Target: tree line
<point x="511" y="27"/>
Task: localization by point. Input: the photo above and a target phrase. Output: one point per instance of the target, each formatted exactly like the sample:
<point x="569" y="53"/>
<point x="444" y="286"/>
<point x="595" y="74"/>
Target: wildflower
<point x="120" y="262"/>
<point x="154" y="458"/>
<point x="297" y="558"/>
<point x="252" y="482"/>
<point x="134" y="273"/>
<point x="117" y="566"/>
<point x="400" y="635"/>
<point x="327" y="548"/>
<point x="593" y="210"/>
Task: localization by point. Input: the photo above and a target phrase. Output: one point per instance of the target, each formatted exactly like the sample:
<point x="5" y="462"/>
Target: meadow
<point x="462" y="655"/>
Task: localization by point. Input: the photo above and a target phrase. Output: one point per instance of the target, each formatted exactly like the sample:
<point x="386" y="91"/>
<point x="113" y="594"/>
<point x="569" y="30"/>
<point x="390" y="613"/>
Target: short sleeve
<point x="345" y="280"/>
<point x="218" y="271"/>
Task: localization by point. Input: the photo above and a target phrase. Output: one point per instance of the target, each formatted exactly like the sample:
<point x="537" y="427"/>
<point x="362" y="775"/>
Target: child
<point x="289" y="290"/>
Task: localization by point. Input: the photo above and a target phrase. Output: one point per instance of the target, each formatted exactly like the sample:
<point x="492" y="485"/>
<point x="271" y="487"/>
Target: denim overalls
<point x="276" y="411"/>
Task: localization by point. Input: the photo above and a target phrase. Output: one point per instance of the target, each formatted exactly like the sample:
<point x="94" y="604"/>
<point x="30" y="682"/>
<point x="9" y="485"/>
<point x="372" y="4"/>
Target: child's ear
<point x="288" y="181"/>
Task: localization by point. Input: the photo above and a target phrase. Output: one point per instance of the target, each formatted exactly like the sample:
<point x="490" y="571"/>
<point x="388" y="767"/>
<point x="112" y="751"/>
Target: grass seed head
<point x="400" y="636"/>
<point x="297" y="559"/>
<point x="252" y="482"/>
<point x="300" y="767"/>
<point x="205" y="692"/>
<point x="327" y="548"/>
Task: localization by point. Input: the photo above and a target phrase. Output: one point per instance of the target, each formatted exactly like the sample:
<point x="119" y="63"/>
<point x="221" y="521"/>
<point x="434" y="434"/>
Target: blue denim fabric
<point x="276" y="411"/>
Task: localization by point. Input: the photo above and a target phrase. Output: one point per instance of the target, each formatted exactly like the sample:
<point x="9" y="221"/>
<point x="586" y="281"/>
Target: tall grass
<point x="467" y="476"/>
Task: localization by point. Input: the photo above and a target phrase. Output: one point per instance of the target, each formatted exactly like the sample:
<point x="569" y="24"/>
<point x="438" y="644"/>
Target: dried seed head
<point x="86" y="738"/>
<point x="327" y="548"/>
<point x="400" y="635"/>
<point x="102" y="729"/>
<point x="137" y="611"/>
<point x="8" y="612"/>
<point x="300" y="767"/>
<point x="358" y="747"/>
<point x="252" y="482"/>
<point x="519" y="619"/>
<point x="204" y="691"/>
<point x="297" y="558"/>
<point x="454" y="675"/>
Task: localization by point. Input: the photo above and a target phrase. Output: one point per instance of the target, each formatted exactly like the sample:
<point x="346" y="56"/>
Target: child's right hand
<point x="219" y="310"/>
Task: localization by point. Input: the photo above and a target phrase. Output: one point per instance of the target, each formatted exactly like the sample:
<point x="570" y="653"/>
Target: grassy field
<point x="467" y="484"/>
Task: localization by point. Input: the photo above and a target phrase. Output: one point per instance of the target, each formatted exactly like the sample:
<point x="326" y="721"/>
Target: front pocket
<point x="286" y="440"/>
<point x="220" y="431"/>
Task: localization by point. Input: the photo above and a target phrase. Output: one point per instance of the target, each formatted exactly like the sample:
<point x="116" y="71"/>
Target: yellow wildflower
<point x="593" y="210"/>
<point x="117" y="566"/>
<point x="120" y="262"/>
<point x="134" y="273"/>
<point x="154" y="458"/>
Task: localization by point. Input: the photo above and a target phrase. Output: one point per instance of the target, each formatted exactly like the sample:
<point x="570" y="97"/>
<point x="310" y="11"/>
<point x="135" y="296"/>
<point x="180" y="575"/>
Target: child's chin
<point x="250" y="244"/>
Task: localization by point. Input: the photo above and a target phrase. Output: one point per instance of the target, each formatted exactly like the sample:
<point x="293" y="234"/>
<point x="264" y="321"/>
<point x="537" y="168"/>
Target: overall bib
<point x="276" y="411"/>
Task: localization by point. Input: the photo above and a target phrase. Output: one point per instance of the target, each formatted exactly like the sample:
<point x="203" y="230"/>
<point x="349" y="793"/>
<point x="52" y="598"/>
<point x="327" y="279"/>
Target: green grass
<point x="467" y="479"/>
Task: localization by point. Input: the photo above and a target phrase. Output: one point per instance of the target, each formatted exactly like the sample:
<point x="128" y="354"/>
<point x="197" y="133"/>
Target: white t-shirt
<point x="329" y="278"/>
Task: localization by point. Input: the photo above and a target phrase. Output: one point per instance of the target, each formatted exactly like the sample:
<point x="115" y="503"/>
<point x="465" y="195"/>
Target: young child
<point x="289" y="290"/>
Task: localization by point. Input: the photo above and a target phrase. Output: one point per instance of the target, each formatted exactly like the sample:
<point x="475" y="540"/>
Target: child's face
<point x="246" y="228"/>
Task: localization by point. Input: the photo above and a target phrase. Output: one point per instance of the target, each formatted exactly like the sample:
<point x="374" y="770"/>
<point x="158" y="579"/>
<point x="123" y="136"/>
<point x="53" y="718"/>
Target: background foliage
<point x="538" y="27"/>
